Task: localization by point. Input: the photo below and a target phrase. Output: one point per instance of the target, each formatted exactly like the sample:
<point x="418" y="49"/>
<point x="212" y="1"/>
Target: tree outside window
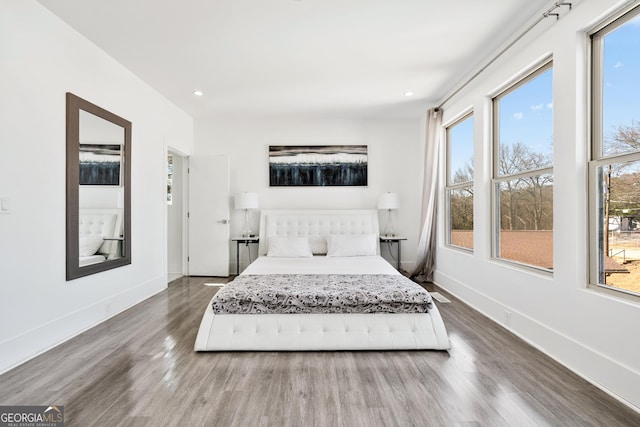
<point x="615" y="163"/>
<point x="523" y="171"/>
<point x="459" y="189"/>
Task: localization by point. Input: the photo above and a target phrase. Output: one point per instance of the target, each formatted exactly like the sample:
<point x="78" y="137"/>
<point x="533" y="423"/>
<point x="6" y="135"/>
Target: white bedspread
<point x="321" y="265"/>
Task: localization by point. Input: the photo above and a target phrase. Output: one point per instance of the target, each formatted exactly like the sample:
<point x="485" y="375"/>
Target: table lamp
<point x="246" y="201"/>
<point x="388" y="202"/>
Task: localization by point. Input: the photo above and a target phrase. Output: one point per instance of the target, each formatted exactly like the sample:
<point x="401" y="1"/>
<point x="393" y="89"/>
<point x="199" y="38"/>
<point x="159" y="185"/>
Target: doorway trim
<point x="184" y="189"/>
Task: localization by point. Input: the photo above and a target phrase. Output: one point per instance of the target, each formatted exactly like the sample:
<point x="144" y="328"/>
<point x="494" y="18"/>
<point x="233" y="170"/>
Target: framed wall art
<point x="317" y="165"/>
<point x="100" y="164"/>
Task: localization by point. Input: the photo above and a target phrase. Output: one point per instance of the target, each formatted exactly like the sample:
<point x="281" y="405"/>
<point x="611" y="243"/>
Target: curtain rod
<point x="552" y="11"/>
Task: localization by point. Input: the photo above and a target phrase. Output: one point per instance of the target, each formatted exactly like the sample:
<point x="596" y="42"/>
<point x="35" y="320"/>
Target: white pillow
<point x="294" y="247"/>
<point x="89" y="244"/>
<point x="352" y="245"/>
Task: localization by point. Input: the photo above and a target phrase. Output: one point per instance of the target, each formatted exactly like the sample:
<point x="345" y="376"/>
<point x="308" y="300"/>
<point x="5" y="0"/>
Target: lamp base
<point x="246" y="227"/>
<point x="388" y="228"/>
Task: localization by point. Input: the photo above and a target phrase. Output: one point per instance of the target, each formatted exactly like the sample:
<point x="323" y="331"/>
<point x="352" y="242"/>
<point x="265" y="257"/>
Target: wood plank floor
<point x="139" y="369"/>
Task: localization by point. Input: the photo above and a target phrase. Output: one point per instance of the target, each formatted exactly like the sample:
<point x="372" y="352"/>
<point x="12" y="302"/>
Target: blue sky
<point x="622" y="76"/>
<point x="526" y="115"/>
<point x="461" y="145"/>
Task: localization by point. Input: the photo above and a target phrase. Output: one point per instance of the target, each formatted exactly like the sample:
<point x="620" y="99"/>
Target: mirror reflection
<point x="98" y="189"/>
<point x="100" y="197"/>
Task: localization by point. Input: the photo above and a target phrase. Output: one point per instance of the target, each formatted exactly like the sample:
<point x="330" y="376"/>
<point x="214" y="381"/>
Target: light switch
<point x="4" y="205"/>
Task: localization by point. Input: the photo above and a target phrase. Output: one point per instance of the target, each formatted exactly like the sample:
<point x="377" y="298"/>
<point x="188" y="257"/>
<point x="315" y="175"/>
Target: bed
<point x="340" y="293"/>
<point x="99" y="234"/>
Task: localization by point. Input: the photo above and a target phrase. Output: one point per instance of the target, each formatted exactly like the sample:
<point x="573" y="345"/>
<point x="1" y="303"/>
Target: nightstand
<point x="246" y="241"/>
<point x="120" y="243"/>
<point x="390" y="240"/>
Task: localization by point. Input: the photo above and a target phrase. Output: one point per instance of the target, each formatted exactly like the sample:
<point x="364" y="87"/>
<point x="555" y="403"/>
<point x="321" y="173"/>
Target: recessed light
<point x="198" y="92"/>
<point x="408" y="94"/>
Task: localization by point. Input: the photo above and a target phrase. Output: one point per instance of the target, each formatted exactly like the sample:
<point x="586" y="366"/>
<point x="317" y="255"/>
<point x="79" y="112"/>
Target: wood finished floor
<point x="139" y="369"/>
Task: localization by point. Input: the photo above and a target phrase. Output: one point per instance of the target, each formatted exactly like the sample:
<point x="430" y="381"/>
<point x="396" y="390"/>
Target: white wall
<point x="93" y="197"/>
<point x="393" y="166"/>
<point x="42" y="59"/>
<point x="592" y="332"/>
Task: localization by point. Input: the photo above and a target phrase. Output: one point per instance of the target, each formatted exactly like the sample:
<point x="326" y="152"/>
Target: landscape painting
<point x="317" y="165"/>
<point x="100" y="164"/>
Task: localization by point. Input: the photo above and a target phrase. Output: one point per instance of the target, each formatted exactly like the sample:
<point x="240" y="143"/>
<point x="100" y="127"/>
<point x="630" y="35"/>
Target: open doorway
<point x="176" y="215"/>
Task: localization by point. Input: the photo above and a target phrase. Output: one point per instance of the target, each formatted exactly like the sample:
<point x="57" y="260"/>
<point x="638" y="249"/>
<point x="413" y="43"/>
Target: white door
<point x="209" y="216"/>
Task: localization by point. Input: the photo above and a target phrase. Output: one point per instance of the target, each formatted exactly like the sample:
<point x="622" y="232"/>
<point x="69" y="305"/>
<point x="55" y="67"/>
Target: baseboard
<point x="173" y="276"/>
<point x="617" y="380"/>
<point x="19" y="349"/>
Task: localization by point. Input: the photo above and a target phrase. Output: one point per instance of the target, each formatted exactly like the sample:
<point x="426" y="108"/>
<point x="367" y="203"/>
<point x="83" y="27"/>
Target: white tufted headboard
<point x="104" y="223"/>
<point x="316" y="224"/>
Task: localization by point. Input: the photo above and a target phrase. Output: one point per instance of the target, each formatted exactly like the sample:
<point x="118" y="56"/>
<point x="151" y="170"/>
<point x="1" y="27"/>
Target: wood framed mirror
<point x="98" y="189"/>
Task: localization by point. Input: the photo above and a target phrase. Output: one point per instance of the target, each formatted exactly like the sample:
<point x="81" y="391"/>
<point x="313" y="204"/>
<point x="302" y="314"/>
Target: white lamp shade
<point x="246" y="201"/>
<point x="388" y="201"/>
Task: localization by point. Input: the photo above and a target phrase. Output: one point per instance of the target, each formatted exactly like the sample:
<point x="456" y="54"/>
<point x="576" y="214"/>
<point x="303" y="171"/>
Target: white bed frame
<point x="297" y="332"/>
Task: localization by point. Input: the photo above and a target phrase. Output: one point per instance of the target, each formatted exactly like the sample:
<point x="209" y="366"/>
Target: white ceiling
<point x="347" y="58"/>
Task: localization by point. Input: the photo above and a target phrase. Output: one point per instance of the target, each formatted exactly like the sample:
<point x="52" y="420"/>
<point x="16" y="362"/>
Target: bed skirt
<point x="313" y="332"/>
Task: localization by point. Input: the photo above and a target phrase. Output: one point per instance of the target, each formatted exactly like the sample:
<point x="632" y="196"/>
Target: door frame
<point x="185" y="210"/>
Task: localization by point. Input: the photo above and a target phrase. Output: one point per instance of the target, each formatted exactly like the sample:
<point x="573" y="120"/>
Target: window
<point x="614" y="181"/>
<point x="523" y="171"/>
<point x="459" y="190"/>
<point x="169" y="179"/>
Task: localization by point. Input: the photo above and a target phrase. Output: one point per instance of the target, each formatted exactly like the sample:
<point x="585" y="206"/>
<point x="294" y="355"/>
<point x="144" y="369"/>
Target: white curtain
<point x="427" y="241"/>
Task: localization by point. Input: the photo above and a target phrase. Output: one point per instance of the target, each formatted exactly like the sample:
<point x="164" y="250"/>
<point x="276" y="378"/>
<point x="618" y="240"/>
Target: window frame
<point x="496" y="178"/>
<point x="597" y="156"/>
<point x="449" y="185"/>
